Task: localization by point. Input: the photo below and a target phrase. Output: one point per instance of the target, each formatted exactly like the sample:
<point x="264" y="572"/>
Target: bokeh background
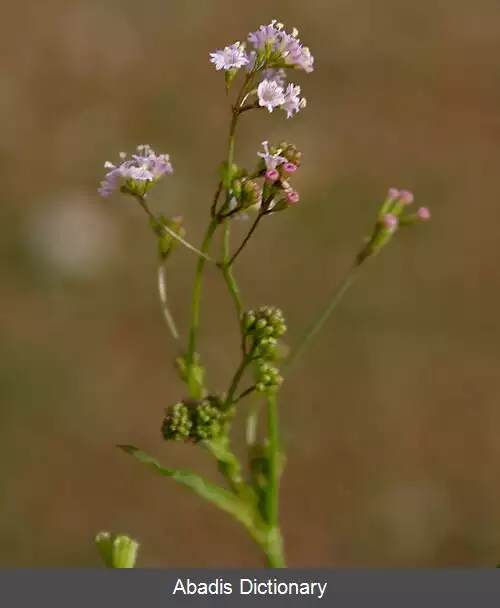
<point x="392" y="422"/>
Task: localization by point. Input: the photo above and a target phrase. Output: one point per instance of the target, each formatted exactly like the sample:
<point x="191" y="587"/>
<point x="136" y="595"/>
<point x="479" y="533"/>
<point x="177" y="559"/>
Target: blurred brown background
<point x="392" y="422"/>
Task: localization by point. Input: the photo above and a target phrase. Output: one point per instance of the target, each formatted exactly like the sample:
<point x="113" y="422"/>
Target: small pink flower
<point x="391" y="222"/>
<point x="292" y="197"/>
<point x="393" y="194"/>
<point x="424" y="213"/>
<point x="289" y="168"/>
<point x="406" y="197"/>
<point x="272" y="175"/>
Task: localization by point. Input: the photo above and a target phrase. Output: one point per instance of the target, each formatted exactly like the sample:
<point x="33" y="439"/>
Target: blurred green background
<point x="392" y="422"/>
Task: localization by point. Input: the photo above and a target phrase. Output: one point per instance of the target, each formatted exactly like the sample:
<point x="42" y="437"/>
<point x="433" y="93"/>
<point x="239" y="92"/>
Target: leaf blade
<point x="211" y="492"/>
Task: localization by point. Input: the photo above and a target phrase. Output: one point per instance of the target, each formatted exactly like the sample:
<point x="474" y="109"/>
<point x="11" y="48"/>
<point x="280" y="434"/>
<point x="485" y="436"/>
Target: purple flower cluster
<point x="274" y="50"/>
<point x="136" y="174"/>
<point x="276" y="47"/>
<point x="278" y="171"/>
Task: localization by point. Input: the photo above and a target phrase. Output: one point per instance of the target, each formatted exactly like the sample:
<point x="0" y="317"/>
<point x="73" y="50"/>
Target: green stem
<point x="274" y="545"/>
<point x="195" y="311"/>
<point x="245" y="393"/>
<point x="272" y="503"/>
<point x="245" y="240"/>
<point x="274" y="550"/>
<point x="237" y="378"/>
<point x="195" y="314"/>
<point x="321" y="320"/>
<point x="228" y="273"/>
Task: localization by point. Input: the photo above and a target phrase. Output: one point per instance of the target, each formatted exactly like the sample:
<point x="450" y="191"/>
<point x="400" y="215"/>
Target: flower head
<point x="424" y="213"/>
<point x="275" y="46"/>
<point x="393" y="194"/>
<point x="230" y="57"/>
<point x="266" y="35"/>
<point x="293" y="103"/>
<point x="272" y="175"/>
<point x="405" y="197"/>
<point x="289" y="168"/>
<point x="271" y="159"/>
<point x="138" y="173"/>
<point x="271" y="95"/>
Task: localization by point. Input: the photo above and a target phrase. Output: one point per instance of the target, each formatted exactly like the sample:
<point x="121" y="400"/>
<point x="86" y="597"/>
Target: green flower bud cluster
<point x="263" y="328"/>
<point x="196" y="420"/>
<point x="284" y="150"/>
<point x="268" y="378"/>
<point x="246" y="192"/>
<point x="290" y="152"/>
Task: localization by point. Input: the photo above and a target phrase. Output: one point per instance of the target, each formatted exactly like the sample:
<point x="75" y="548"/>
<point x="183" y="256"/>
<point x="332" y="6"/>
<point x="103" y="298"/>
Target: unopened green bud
<point x="261" y="323"/>
<point x="250" y="194"/>
<point x="118" y="551"/>
<point x="237" y="188"/>
<point x="290" y="152"/>
<point x="248" y="320"/>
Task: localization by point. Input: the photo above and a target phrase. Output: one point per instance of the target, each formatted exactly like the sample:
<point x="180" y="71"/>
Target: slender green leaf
<point x="211" y="492"/>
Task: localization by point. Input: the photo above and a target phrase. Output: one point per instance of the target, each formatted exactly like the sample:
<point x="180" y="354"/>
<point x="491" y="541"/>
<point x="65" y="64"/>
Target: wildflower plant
<point x="260" y="72"/>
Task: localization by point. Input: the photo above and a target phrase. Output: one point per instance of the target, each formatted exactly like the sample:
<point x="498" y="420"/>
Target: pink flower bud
<point x="391" y="222"/>
<point x="292" y="197"/>
<point x="393" y="194"/>
<point x="272" y="175"/>
<point x="424" y="213"/>
<point x="406" y="197"/>
<point x="289" y="168"/>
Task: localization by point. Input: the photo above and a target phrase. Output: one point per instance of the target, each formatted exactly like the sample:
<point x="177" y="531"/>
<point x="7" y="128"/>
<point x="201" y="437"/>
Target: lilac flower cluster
<point x="279" y="168"/>
<point x="274" y="50"/>
<point x="276" y="165"/>
<point x="273" y="46"/>
<point x="137" y="174"/>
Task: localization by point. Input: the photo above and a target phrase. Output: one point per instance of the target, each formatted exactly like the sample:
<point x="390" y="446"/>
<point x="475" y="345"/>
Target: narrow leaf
<point x="211" y="492"/>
